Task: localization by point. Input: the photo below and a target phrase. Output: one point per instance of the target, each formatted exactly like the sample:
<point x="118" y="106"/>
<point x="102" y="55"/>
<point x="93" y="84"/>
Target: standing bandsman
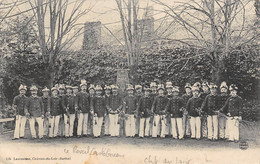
<point x="92" y="94"/>
<point x="75" y="90"/>
<point x="70" y="109"/>
<point x="129" y="108"/>
<point x="62" y="95"/>
<point x="20" y="119"/>
<point x="194" y="111"/>
<point x="169" y="90"/>
<point x="210" y="109"/>
<point x="205" y="89"/>
<point x="35" y="112"/>
<point x="186" y="121"/>
<point x="138" y="94"/>
<point x="154" y="93"/>
<point x="233" y="106"/>
<point x="175" y="107"/>
<point x="55" y="113"/>
<point x="158" y="108"/>
<point x="114" y="106"/>
<point x="144" y="112"/>
<point x="46" y="107"/>
<point x="223" y="126"/>
<point x="98" y="109"/>
<point x="84" y="108"/>
<point x="107" y="95"/>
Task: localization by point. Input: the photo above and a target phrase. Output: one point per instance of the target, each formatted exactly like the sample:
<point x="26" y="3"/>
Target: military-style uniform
<point x="158" y="109"/>
<point x="144" y="111"/>
<point x="130" y="106"/>
<point x="210" y="108"/>
<point x="69" y="116"/>
<point x="55" y="115"/>
<point x="223" y="127"/>
<point x="20" y="121"/>
<point x="46" y="107"/>
<point x="193" y="107"/>
<point x="34" y="110"/>
<point x="185" y="120"/>
<point x="137" y="120"/>
<point x="175" y="108"/>
<point x="83" y="113"/>
<point x="114" y="106"/>
<point x="203" y="117"/>
<point x="98" y="105"/>
<point x="233" y="106"/>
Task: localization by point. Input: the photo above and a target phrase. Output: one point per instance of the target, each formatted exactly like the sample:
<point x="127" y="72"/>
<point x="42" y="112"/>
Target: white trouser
<point x="137" y="125"/>
<point x="222" y="126"/>
<point x="186" y="125"/>
<point x="39" y="120"/>
<point x="106" y="126"/>
<point x="233" y="125"/>
<point x="130" y="126"/>
<point x="227" y="129"/>
<point x="82" y="124"/>
<point x="204" y="126"/>
<point x="61" y="131"/>
<point x="195" y="125"/>
<point x="54" y="125"/>
<point x="114" y="126"/>
<point x="144" y="128"/>
<point x="19" y="126"/>
<point x="177" y="129"/>
<point x="46" y="126"/>
<point x="69" y="126"/>
<point x="156" y="124"/>
<point x="97" y="125"/>
<point x="212" y="122"/>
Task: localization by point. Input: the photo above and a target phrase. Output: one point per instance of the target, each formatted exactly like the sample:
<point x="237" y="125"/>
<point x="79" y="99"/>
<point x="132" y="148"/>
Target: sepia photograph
<point x="129" y="81"/>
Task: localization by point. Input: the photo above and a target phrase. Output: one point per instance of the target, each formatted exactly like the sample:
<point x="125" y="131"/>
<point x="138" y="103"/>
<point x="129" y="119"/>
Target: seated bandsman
<point x="107" y="95"/>
<point x="210" y="109"/>
<point x="98" y="109"/>
<point x="158" y="108"/>
<point x="233" y="106"/>
<point x="84" y="108"/>
<point x="55" y="113"/>
<point x="223" y="126"/>
<point x="138" y="94"/>
<point x="194" y="111"/>
<point x="70" y="109"/>
<point x="46" y="107"/>
<point x="186" y="121"/>
<point x="114" y="107"/>
<point x="20" y="119"/>
<point x="129" y="108"/>
<point x="175" y="107"/>
<point x="35" y="112"/>
<point x="144" y="112"/>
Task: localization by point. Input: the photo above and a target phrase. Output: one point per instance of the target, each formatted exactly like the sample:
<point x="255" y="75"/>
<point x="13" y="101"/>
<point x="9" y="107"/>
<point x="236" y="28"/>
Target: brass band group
<point x="158" y="110"/>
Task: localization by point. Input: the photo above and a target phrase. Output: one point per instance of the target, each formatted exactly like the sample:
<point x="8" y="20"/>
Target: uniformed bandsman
<point x="130" y="109"/>
<point x="138" y="94"/>
<point x="153" y="94"/>
<point x="158" y="108"/>
<point x="92" y="94"/>
<point x="70" y="109"/>
<point x="210" y="109"/>
<point x="62" y="95"/>
<point x="46" y="107"/>
<point x="175" y="108"/>
<point x="84" y="108"/>
<point x="35" y="112"/>
<point x="205" y="92"/>
<point x="98" y="109"/>
<point x="223" y="126"/>
<point x="75" y="90"/>
<point x="114" y="106"/>
<point x="194" y="111"/>
<point x="107" y="95"/>
<point x="169" y="91"/>
<point x="233" y="106"/>
<point x="20" y="119"/>
<point x="186" y="121"/>
<point x="144" y="112"/>
<point x="55" y="113"/>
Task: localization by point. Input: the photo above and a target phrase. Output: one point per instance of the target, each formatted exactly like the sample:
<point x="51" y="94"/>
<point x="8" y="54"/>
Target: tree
<point x="55" y="23"/>
<point x="225" y="21"/>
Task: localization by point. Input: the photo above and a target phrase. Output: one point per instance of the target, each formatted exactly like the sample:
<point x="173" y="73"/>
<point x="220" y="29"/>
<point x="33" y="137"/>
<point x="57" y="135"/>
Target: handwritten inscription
<point x="106" y="152"/>
<point x="156" y="160"/>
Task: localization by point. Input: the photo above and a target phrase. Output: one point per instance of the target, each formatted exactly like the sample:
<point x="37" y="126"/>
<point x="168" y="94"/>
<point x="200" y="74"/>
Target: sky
<point x="106" y="12"/>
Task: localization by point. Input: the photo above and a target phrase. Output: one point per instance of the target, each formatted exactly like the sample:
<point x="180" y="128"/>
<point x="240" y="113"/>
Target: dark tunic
<point x="84" y="102"/>
<point x="174" y="105"/>
<point x="159" y="104"/>
<point x="55" y="106"/>
<point x="98" y="104"/>
<point x="233" y="106"/>
<point x="34" y="106"/>
<point x="130" y="104"/>
<point x="46" y="104"/>
<point x="192" y="105"/>
<point x="114" y="102"/>
<point x="210" y="104"/>
<point x="20" y="102"/>
<point x="144" y="106"/>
